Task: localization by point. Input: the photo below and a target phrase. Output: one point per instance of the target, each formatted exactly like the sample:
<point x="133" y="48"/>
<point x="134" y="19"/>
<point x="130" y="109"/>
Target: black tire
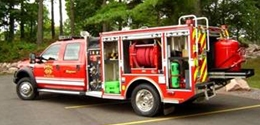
<point x="26" y="90"/>
<point x="146" y="100"/>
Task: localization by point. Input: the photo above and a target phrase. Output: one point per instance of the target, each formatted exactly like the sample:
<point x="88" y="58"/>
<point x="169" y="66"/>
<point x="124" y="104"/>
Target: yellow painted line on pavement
<point x="94" y="105"/>
<point x="186" y="116"/>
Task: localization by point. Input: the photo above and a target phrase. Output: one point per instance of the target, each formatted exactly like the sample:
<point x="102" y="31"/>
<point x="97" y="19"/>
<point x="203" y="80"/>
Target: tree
<point x="138" y="13"/>
<point x="12" y="13"/>
<point x="30" y="20"/>
<point x="11" y="21"/>
<point x="84" y="9"/>
<point x="22" y="20"/>
<point x="52" y="20"/>
<point x="111" y="16"/>
<point x="197" y="7"/>
<point x="242" y="16"/>
<point x="3" y="12"/>
<point x="250" y="20"/>
<point x="40" y="23"/>
<point x="104" y="25"/>
<point x="105" y="15"/>
<point x="72" y="18"/>
<point x="61" y="20"/>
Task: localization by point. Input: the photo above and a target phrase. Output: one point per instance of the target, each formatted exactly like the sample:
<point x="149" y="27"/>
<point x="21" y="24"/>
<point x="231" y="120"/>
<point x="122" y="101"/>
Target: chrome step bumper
<point x="244" y="73"/>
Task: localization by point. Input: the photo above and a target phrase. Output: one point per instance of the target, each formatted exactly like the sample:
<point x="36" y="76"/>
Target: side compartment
<point x="110" y="63"/>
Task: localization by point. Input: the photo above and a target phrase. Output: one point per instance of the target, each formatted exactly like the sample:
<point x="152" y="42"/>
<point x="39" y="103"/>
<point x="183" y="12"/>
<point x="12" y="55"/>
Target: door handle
<point x="58" y="67"/>
<point x="77" y="67"/>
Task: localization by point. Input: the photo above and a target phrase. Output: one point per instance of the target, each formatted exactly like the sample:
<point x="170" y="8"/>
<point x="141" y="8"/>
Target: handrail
<point x="188" y="16"/>
<point x="207" y="27"/>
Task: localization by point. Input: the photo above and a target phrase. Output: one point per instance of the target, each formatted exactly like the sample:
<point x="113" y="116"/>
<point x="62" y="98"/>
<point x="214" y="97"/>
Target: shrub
<point x="14" y="51"/>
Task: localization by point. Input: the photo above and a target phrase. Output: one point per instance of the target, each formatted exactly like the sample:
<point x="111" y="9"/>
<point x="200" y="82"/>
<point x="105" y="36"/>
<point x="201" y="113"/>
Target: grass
<point x="253" y="81"/>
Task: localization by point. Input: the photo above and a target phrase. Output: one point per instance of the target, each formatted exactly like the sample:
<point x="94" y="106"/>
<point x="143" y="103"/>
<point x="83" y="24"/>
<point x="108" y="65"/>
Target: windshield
<point x="52" y="52"/>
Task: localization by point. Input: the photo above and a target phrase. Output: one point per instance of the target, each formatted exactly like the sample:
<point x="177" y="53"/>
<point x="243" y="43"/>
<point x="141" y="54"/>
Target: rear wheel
<point x="26" y="90"/>
<point x="146" y="100"/>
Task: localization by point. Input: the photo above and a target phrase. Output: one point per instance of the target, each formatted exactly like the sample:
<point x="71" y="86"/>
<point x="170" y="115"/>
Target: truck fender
<point x="136" y="81"/>
<point x="25" y="72"/>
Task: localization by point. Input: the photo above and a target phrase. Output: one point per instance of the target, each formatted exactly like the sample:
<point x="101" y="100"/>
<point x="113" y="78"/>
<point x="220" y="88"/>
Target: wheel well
<point x="136" y="83"/>
<point x="22" y="75"/>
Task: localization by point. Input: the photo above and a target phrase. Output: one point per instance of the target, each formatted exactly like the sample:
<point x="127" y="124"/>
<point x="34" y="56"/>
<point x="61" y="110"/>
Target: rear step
<point x="209" y="89"/>
<point x="243" y="73"/>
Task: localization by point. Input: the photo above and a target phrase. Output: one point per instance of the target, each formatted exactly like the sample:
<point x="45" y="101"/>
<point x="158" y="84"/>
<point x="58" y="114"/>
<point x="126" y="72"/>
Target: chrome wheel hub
<point x="26" y="89"/>
<point x="144" y="100"/>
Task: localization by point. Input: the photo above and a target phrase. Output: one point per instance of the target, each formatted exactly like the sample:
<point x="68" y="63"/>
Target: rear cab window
<point x="72" y="52"/>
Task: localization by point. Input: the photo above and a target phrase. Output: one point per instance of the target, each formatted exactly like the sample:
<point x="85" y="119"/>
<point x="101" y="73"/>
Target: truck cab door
<point x="46" y="70"/>
<point x="73" y="67"/>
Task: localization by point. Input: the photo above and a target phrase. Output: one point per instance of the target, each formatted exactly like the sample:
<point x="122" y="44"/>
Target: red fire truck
<point x="149" y="66"/>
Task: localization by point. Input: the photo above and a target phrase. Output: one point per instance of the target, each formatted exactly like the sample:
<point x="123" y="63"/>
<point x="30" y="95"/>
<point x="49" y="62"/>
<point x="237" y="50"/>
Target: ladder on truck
<point x="200" y="36"/>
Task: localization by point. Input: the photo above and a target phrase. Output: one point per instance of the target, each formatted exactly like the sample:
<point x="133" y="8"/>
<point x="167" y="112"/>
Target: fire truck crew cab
<point x="151" y="66"/>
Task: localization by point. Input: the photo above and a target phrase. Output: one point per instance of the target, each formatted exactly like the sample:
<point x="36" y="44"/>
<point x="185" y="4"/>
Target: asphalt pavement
<point x="57" y="109"/>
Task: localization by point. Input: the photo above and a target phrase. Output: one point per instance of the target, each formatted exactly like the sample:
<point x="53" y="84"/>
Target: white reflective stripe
<point x="161" y="79"/>
<point x="192" y="62"/>
<point x="59" y="79"/>
<point x="114" y="96"/>
<point x="172" y="101"/>
<point x="164" y="62"/>
<point x="177" y="33"/>
<point x="94" y="94"/>
<point x="31" y="65"/>
<point x="110" y="38"/>
<point x="121" y="64"/>
<point x="142" y="36"/>
<point x="74" y="83"/>
<point x="55" y="81"/>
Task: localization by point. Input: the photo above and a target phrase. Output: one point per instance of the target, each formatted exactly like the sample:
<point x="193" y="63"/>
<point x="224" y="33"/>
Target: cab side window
<point x="52" y="53"/>
<point x="72" y="51"/>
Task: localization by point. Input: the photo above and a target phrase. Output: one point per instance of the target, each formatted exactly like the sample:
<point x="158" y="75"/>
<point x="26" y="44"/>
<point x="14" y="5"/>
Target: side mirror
<point x="32" y="58"/>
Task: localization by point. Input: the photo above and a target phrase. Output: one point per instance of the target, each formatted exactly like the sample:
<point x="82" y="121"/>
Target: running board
<point x="94" y="94"/>
<point x="114" y="96"/>
<point x="243" y="73"/>
<point x="61" y="91"/>
<point x="89" y="93"/>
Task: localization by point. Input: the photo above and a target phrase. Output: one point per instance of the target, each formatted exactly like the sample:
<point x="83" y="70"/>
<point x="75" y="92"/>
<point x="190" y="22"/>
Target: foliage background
<point x="18" y="19"/>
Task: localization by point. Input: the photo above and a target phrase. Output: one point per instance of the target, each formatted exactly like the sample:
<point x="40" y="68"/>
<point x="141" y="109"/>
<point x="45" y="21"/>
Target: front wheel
<point x="146" y="100"/>
<point x="26" y="90"/>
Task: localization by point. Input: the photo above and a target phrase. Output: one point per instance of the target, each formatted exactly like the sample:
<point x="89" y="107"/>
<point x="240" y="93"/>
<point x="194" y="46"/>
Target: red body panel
<point x="151" y="65"/>
<point x="75" y="70"/>
<point x="176" y="95"/>
<point x="62" y="74"/>
<point x="152" y="74"/>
